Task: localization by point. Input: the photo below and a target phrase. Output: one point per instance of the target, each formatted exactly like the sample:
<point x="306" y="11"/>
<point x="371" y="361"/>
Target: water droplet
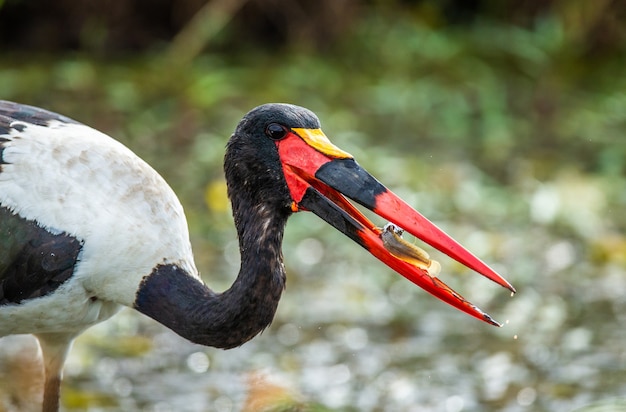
<point x="338" y="374"/>
<point x="356" y="338"/>
<point x="310" y="251"/>
<point x="454" y="404"/>
<point x="198" y="362"/>
<point x="526" y="396"/>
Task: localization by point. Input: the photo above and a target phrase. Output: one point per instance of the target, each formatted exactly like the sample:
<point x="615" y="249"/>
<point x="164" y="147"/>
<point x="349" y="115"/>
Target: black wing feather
<point x="33" y="261"/>
<point x="11" y="111"/>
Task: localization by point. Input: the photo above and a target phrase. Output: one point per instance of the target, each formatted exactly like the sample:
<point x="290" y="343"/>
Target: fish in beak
<point x="321" y="178"/>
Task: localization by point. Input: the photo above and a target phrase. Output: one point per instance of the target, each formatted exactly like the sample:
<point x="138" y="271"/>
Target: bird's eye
<point x="275" y="131"/>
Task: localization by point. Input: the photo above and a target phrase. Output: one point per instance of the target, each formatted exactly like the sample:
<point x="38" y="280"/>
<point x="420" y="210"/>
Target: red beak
<point x="320" y="177"/>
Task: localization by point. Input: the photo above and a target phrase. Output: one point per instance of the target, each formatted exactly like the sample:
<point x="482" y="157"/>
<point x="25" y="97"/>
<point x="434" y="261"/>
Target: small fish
<point x="400" y="248"/>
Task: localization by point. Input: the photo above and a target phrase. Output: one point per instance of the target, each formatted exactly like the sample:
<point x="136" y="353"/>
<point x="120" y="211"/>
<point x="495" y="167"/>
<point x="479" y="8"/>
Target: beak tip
<point x="491" y="321"/>
<point x="480" y="314"/>
<point x="499" y="280"/>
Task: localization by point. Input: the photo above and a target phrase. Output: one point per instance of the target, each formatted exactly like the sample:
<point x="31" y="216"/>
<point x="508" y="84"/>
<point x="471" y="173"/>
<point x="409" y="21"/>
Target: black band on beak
<point x="349" y="178"/>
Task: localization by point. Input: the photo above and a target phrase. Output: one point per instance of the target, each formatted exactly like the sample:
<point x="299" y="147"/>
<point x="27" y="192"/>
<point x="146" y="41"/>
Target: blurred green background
<point x="502" y="121"/>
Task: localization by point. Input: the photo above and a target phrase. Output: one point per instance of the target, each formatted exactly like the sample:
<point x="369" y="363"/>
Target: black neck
<point x="231" y="318"/>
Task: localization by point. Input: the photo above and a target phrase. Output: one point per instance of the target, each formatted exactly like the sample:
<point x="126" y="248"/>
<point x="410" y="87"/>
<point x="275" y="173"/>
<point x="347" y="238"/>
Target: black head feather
<point x="252" y="166"/>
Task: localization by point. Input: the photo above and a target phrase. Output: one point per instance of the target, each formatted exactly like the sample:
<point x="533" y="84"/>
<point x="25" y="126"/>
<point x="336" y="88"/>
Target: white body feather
<point x="71" y="178"/>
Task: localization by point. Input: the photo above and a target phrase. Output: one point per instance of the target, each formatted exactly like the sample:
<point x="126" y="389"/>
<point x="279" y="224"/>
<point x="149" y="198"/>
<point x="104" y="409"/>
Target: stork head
<point x="279" y="157"/>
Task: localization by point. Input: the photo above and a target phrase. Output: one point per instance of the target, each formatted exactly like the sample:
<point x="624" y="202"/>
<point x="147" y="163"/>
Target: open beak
<point x="321" y="176"/>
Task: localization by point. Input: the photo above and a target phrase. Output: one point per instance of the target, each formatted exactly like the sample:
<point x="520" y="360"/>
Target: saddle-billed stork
<point x="87" y="227"/>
